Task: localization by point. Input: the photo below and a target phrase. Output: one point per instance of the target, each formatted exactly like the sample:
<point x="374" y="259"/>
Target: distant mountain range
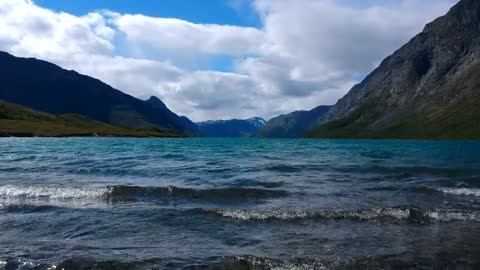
<point x="48" y="88"/>
<point x="231" y="128"/>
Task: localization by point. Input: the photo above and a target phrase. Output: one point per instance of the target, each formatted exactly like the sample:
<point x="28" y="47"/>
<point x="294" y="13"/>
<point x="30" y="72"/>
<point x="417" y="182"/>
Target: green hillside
<point x="20" y="121"/>
<point x="459" y="119"/>
<point x="456" y="122"/>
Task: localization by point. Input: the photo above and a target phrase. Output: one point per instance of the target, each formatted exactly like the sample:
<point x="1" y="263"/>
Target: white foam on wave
<point x="460" y="191"/>
<point x="282" y="265"/>
<point x="447" y="216"/>
<point x="260" y="214"/>
<point x="398" y="214"/>
<point x="52" y="193"/>
<point x="248" y="215"/>
<point x="22" y="264"/>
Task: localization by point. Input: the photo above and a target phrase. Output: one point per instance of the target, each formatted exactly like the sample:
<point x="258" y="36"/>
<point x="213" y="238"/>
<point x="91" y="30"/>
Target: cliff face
<point x="429" y="88"/>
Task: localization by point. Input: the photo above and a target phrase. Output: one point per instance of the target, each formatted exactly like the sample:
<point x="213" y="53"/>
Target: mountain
<point x="294" y="124"/>
<point x="20" y="121"/>
<point x="428" y="89"/>
<point x="187" y="125"/>
<point x="46" y="87"/>
<point x="231" y="128"/>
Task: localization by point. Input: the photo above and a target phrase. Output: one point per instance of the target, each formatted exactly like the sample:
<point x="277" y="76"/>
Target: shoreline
<point x="184" y="136"/>
<point x="89" y="135"/>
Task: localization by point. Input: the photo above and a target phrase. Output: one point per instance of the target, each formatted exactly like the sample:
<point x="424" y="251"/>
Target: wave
<point x="126" y="193"/>
<point x="237" y="262"/>
<point x="25" y="208"/>
<point x="136" y="193"/>
<point x="408" y="214"/>
<point x="231" y="262"/>
<point x="52" y="193"/>
<point x="286" y="168"/>
<point x="252" y="262"/>
<point x="257" y="183"/>
<point x="456" y="191"/>
<point x="37" y="169"/>
<point x="407" y="171"/>
<point x="392" y="261"/>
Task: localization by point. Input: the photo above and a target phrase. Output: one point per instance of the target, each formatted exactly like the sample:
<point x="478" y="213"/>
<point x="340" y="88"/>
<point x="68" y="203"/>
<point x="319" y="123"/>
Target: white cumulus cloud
<point x="179" y="36"/>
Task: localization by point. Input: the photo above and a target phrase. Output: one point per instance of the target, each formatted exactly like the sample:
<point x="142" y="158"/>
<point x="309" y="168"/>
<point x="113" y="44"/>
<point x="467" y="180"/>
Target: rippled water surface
<point x="107" y="203"/>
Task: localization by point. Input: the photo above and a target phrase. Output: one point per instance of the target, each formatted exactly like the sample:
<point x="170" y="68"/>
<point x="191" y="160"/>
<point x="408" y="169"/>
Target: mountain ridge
<point x="427" y="89"/>
<point x="294" y="124"/>
<point x="46" y="87"/>
<point x="231" y="128"/>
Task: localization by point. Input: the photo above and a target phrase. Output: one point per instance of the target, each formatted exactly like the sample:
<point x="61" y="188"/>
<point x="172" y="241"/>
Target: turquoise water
<point x="220" y="203"/>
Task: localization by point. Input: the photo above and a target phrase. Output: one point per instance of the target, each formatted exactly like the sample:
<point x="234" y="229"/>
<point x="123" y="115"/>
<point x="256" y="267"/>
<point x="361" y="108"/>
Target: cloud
<point x="315" y="45"/>
<point x="306" y="53"/>
<point x="208" y="93"/>
<point x="138" y="77"/>
<point x="179" y="36"/>
<point x="38" y="31"/>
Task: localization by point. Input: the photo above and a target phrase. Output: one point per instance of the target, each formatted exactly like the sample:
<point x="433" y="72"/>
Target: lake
<point x="102" y="203"/>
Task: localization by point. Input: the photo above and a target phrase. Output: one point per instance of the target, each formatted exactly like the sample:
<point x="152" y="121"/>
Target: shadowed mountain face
<point x="46" y="87"/>
<point x="231" y="128"/>
<point x="294" y="124"/>
<point x="187" y="125"/>
<point x="428" y="89"/>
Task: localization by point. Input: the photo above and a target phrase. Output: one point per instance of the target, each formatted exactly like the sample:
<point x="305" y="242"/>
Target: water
<point x="101" y="203"/>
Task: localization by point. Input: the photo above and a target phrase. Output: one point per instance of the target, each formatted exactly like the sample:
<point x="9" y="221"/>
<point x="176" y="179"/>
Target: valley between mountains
<point x="427" y="89"/>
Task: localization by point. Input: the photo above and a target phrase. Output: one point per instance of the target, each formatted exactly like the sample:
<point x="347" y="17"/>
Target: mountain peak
<point x="154" y="99"/>
<point x="156" y="102"/>
<point x="43" y="86"/>
<point x="257" y="121"/>
<point x="465" y="13"/>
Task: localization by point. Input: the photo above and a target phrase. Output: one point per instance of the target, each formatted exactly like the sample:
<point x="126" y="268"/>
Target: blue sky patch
<point x="231" y="12"/>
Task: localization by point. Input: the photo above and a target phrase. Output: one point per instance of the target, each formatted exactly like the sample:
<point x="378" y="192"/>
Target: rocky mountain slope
<point x="48" y="88"/>
<point x="231" y="128"/>
<point x="294" y="124"/>
<point x="428" y="89"/>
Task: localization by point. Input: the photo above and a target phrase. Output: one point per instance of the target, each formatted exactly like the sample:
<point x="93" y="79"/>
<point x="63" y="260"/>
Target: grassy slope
<point x="21" y="121"/>
<point x="455" y="122"/>
<point x="459" y="120"/>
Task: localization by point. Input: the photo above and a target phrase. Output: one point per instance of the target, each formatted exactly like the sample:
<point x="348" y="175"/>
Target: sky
<point x="218" y="59"/>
